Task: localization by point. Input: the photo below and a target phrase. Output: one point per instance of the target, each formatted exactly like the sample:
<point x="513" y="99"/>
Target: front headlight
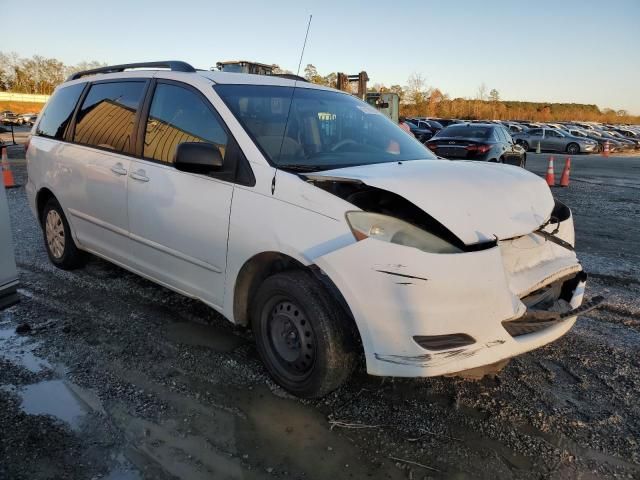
<point x="390" y="229"/>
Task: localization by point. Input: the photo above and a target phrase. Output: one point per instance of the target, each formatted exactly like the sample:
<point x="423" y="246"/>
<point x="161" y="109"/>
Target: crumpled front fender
<point x="395" y="293"/>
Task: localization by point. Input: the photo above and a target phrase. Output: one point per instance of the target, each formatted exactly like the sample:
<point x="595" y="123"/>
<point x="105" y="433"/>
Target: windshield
<point x="466" y="131"/>
<point x="325" y="129"/>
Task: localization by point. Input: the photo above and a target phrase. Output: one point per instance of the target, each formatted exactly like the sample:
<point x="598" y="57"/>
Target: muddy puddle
<point x="19" y="350"/>
<point x="244" y="434"/>
<point x="56" y="397"/>
<point x="197" y="334"/>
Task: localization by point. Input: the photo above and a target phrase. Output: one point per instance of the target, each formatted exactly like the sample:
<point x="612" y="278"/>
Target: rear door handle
<point x="118" y="169"/>
<point x="139" y="175"/>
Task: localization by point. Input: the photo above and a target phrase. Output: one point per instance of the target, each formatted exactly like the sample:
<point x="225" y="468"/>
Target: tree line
<point x="41" y="75"/>
<point x="37" y="74"/>
<point x="419" y="100"/>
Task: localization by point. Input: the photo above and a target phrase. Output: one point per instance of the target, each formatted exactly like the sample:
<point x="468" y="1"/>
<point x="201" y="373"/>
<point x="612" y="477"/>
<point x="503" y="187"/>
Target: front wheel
<point x="302" y="334"/>
<point x="573" y="148"/>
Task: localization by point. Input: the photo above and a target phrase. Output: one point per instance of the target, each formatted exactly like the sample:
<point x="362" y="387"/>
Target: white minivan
<point x="302" y="212"/>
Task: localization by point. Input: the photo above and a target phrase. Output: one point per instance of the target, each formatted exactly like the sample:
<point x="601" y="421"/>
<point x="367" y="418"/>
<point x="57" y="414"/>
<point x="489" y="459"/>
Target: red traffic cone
<point x="551" y="177"/>
<point x="7" y="176"/>
<point x="606" y="148"/>
<point x="564" y="179"/>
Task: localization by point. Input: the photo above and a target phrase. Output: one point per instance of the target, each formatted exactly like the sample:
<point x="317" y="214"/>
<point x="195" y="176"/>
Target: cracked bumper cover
<point x="396" y="293"/>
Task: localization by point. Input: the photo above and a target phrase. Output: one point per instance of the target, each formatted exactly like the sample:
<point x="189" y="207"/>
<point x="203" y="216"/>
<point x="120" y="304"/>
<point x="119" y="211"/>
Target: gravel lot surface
<point x="120" y="379"/>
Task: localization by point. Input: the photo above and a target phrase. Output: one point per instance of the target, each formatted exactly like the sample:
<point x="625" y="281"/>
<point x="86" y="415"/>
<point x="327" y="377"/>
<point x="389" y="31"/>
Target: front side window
<point x="57" y="115"/>
<point x="107" y="115"/>
<point x="313" y="129"/>
<point x="179" y="115"/>
<point x="535" y="132"/>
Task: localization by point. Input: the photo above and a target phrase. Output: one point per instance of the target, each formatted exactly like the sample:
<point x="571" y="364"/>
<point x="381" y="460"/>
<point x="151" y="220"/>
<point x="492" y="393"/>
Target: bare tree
<point x="482" y="92"/>
<point x="416" y="89"/>
<point x="494" y="95"/>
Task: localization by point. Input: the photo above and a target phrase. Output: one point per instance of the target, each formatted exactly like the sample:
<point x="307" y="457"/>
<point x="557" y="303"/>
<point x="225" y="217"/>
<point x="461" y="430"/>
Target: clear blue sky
<point x="561" y="51"/>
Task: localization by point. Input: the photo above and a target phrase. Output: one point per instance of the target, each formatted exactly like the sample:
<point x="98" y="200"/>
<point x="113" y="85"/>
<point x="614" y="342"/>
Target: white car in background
<point x="304" y="213"/>
<point x="27" y="119"/>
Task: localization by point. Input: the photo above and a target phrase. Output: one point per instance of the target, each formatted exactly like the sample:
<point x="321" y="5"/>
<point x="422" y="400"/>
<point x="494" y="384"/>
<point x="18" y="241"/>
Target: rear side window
<point x="179" y="115"/>
<point x="465" y="131"/>
<point x="107" y="115"/>
<point x="57" y="115"/>
<point x="507" y="135"/>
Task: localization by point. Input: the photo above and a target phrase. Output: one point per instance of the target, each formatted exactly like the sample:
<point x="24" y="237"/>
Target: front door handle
<point x="139" y="175"/>
<point x="118" y="169"/>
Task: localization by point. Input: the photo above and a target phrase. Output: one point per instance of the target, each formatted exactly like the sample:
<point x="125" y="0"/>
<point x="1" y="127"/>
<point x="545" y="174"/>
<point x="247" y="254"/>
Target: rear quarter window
<point x="57" y="115"/>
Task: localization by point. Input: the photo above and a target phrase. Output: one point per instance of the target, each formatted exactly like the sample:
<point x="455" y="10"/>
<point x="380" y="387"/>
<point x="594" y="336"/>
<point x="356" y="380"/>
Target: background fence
<point x="23" y="97"/>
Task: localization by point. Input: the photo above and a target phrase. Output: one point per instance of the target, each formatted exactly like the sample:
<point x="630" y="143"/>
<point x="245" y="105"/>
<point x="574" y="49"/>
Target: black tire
<point x="293" y="306"/>
<point x="524" y="144"/>
<point x="68" y="256"/>
<point x="573" y="148"/>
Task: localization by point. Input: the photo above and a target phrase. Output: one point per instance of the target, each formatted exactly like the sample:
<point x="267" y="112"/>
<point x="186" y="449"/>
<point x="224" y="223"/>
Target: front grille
<point x="516" y="328"/>
<point x="546" y="301"/>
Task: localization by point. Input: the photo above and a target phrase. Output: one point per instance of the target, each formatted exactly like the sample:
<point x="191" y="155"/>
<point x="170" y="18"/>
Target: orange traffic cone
<point x="551" y="177"/>
<point x="564" y="179"/>
<point x="7" y="176"/>
<point x="606" y="148"/>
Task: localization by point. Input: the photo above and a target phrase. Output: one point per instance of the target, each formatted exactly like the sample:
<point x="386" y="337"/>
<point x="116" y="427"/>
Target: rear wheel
<point x="573" y="148"/>
<point x="303" y="336"/>
<point x="60" y="246"/>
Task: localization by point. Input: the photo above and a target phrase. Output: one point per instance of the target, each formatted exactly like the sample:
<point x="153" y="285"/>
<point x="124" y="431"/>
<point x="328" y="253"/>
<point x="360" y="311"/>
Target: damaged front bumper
<point x="422" y="314"/>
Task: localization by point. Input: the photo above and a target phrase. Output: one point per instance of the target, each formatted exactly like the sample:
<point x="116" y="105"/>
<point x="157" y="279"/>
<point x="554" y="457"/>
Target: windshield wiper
<point x="297" y="167"/>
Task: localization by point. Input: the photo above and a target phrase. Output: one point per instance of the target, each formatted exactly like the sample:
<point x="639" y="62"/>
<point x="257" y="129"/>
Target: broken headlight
<point x="390" y="229"/>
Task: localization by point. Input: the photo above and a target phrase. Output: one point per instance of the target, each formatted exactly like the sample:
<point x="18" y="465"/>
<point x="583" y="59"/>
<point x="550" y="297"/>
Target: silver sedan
<point x="554" y="140"/>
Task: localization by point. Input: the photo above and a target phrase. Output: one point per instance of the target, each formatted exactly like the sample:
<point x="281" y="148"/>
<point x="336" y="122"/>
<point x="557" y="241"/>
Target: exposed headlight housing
<point x="393" y="230"/>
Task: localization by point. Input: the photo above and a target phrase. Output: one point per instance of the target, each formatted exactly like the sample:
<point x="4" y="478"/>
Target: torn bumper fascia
<point x="396" y="293"/>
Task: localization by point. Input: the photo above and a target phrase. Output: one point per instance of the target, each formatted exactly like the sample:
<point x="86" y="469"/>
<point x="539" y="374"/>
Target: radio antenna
<point x="293" y="91"/>
<point x="304" y="44"/>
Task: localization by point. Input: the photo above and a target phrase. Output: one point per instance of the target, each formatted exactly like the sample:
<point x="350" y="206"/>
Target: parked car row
<point x="570" y="137"/>
<point x="7" y="117"/>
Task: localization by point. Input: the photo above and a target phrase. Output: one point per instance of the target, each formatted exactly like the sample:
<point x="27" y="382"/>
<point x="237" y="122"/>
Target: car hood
<point x="476" y="201"/>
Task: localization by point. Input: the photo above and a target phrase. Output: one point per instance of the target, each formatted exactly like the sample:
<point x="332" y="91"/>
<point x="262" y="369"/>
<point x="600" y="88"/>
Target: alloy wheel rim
<point x="55" y="233"/>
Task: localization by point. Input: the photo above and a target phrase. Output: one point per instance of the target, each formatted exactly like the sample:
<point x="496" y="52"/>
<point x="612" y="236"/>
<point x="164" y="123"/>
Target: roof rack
<point x="173" y="65"/>
<point x="290" y="76"/>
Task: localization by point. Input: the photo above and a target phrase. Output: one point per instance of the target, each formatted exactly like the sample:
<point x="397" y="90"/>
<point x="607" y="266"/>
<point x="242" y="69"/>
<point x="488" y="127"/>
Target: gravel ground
<point x="118" y="378"/>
